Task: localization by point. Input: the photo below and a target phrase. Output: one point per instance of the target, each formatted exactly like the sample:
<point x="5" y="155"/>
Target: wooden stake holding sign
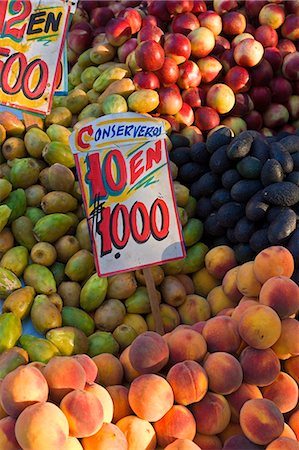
<point x="123" y="170"/>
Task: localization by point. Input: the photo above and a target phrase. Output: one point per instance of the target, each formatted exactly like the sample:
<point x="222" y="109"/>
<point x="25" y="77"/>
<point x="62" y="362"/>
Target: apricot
<point x="260" y="367"/>
<point x="109" y="436"/>
<point x="63" y="374"/>
<point x="283" y="391"/>
<point x="7" y="434"/>
<point x="110" y="369"/>
<point x="148" y="353"/>
<point x="221" y="334"/>
<point x="140" y="434"/>
<point x="170" y="318"/>
<point x="281" y="294"/>
<point x="259" y="326"/>
<point x="22" y="387"/>
<point x="194" y="309"/>
<point x="291" y="366"/>
<point x="105" y="398"/>
<point x="204" y="282"/>
<point x="206" y="442"/>
<point x="177" y="423"/>
<point x="229" y="285"/>
<point x="273" y="261"/>
<point x="185" y="343"/>
<point x="283" y="443"/>
<point x="287" y="344"/>
<point x="88" y="365"/>
<point x="182" y="444"/>
<point x="150" y="397"/>
<point x="294" y="423"/>
<point x="212" y="414"/>
<point x="247" y="282"/>
<point x="120" y="398"/>
<point x="261" y="420"/>
<point x="72" y="443"/>
<point x="42" y="426"/>
<point x="189" y="382"/>
<point x="220" y="260"/>
<point x="224" y="372"/>
<point x="237" y="399"/>
<point x="84" y="413"/>
<point x="218" y="300"/>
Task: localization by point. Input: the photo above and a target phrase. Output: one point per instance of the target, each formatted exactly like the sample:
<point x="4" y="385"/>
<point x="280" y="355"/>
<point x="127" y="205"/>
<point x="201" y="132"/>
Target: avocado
<point x="229" y="178"/>
<point x="190" y="172"/>
<point x="283" y="193"/>
<point x="293" y="246"/>
<point x="218" y="138"/>
<point x="229" y="214"/>
<point x="180" y="155"/>
<point x="220" y="197"/>
<point x="206" y="185"/>
<point x="260" y="149"/>
<point x="259" y="240"/>
<point x="243" y="253"/>
<point x="244" y="229"/>
<point x="273" y="212"/>
<point x="290" y="143"/>
<point x="230" y="234"/>
<point x="219" y="162"/>
<point x="204" y="207"/>
<point x="212" y="225"/>
<point x="278" y="152"/>
<point x="249" y="167"/>
<point x="240" y="146"/>
<point x="199" y="153"/>
<point x="295" y="158"/>
<point x="282" y="226"/>
<point x="293" y="177"/>
<point x="272" y="172"/>
<point x="256" y="207"/>
<point x="178" y="140"/>
<point x="243" y="190"/>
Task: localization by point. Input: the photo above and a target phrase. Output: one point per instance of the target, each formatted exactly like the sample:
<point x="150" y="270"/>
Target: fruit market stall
<point x="146" y="327"/>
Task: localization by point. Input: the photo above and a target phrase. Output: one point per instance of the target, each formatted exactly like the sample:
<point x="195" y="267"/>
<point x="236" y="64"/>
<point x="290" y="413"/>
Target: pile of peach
<point x="226" y="382"/>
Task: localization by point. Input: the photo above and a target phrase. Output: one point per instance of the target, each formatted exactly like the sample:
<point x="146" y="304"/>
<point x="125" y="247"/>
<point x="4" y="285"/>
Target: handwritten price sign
<point x="122" y="164"/>
<point x="32" y="35"/>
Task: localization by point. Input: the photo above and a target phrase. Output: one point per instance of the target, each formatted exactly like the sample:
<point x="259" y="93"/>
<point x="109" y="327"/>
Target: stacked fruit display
<point x="228" y="381"/>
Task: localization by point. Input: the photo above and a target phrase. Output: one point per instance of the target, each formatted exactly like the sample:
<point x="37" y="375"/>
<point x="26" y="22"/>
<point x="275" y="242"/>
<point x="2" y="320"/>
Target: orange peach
<point x="283" y="443"/>
<point x="177" y="423"/>
<point x="84" y="413"/>
<point x="218" y="300"/>
<point x="294" y="423"/>
<point x="283" y="392"/>
<point x="212" y="414"/>
<point x="72" y="443"/>
<point x="194" y="309"/>
<point x="63" y="374"/>
<point x="224" y="372"/>
<point x="288" y="432"/>
<point x="259" y="326"/>
<point x="110" y="369"/>
<point x="42" y="426"/>
<point x="182" y="444"/>
<point x="238" y="442"/>
<point x="247" y="282"/>
<point x="248" y="52"/>
<point x="7" y="434"/>
<point x="88" y="365"/>
<point x="221" y="98"/>
<point x="260" y="367"/>
<point x="170" y="318"/>
<point x="291" y="366"/>
<point x="3" y="413"/>
<point x="281" y="294"/>
<point x="129" y="372"/>
<point x="237" y="399"/>
<point x="150" y="397"/>
<point x="261" y="420"/>
<point x="140" y="434"/>
<point x="220" y="260"/>
<point x="229" y="285"/>
<point x="241" y="308"/>
<point x="105" y="398"/>
<point x="287" y="344"/>
<point x="149" y="352"/>
<point x="204" y="282"/>
<point x="22" y="387"/>
<point x="232" y="429"/>
<point x="206" y="442"/>
<point x="273" y="261"/>
<point x="185" y="343"/>
<point x="221" y="334"/>
<point x="120" y="399"/>
<point x="108" y="437"/>
<point x="189" y="382"/>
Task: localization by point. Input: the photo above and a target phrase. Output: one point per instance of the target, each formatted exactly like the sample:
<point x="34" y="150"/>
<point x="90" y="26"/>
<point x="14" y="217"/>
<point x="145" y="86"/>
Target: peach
<point x="221" y="97"/>
<point x="7" y="434"/>
<point x="247" y="282"/>
<point x="194" y="309"/>
<point x="229" y="285"/>
<point x="185" y="343"/>
<point x="109" y="436"/>
<point x="120" y="398"/>
<point x="202" y="42"/>
<point x="219" y="260"/>
<point x="291" y="366"/>
<point x="248" y="52"/>
<point x="110" y="369"/>
<point x="212" y="21"/>
<point x="148" y="353"/>
<point x="22" y="387"/>
<point x="272" y="14"/>
<point x="232" y="429"/>
<point x="260" y="367"/>
<point x="236" y="124"/>
<point x="238" y="442"/>
<point x="224" y="372"/>
<point x="206" y="442"/>
<point x="103" y="395"/>
<point x="84" y="413"/>
<point x="241" y="37"/>
<point x="282" y="294"/>
<point x="283" y="443"/>
<point x="128" y="370"/>
<point x="283" y="392"/>
<point x="170" y="318"/>
<point x="218" y="300"/>
<point x="259" y="326"/>
<point x="221" y="334"/>
<point x="212" y="414"/>
<point x="182" y="444"/>
<point x="266" y="35"/>
<point x="189" y="382"/>
<point x="233" y="23"/>
<point x="287" y="344"/>
<point x="289" y="29"/>
<point x="237" y="399"/>
<point x="273" y="261"/>
<point x="150" y="397"/>
<point x="140" y="434"/>
<point x="49" y="420"/>
<point x="63" y="374"/>
<point x="3" y="413"/>
<point x="177" y="423"/>
<point x="204" y="282"/>
<point x="261" y="420"/>
<point x="242" y="307"/>
<point x="72" y="443"/>
<point x="210" y="68"/>
<point x="288" y="432"/>
<point x="294" y="423"/>
<point x="88" y="365"/>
